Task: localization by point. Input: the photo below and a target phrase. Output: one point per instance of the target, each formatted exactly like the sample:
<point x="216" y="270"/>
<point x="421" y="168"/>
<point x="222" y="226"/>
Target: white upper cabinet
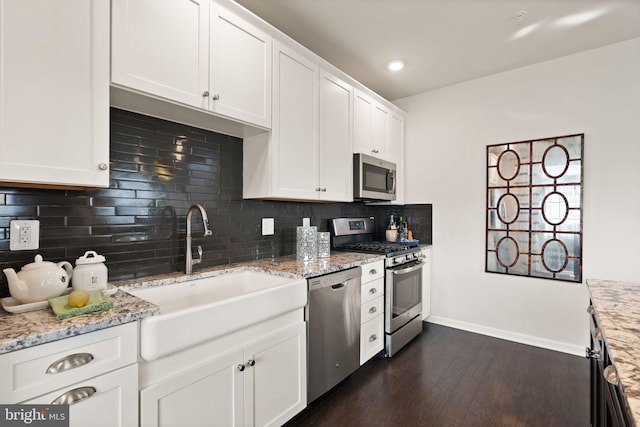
<point x="284" y="163"/>
<point x="193" y="52"/>
<point x="308" y="154"/>
<point x="370" y="126"/>
<point x="162" y="48"/>
<point x="240" y="80"/>
<point x="335" y="179"/>
<point x="295" y="124"/>
<point x="396" y="153"/>
<point x="54" y="93"/>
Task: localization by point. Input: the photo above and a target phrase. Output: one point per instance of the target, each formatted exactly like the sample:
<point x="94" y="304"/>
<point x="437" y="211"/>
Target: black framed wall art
<point x="534" y="208"/>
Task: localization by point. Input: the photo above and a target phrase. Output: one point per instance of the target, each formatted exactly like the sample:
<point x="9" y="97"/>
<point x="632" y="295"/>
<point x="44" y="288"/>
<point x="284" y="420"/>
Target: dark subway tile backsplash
<point x="158" y="170"/>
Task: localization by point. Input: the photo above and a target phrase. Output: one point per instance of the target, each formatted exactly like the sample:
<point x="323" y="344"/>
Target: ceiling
<point x="445" y="42"/>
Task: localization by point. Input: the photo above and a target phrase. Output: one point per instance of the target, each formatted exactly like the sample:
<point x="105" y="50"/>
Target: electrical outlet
<point x="24" y="235"/>
<point x="268" y="226"/>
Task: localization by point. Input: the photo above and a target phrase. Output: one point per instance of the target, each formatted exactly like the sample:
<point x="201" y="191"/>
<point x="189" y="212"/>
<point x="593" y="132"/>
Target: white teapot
<point x="39" y="280"/>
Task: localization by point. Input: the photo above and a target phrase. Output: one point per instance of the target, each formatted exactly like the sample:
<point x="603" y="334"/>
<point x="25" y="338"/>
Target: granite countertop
<point x="617" y="305"/>
<point x="22" y="330"/>
<point x="18" y="331"/>
<point x="286" y="266"/>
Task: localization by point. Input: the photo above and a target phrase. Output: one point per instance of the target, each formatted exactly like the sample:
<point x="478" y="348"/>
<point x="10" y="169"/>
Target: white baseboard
<point x="563" y="347"/>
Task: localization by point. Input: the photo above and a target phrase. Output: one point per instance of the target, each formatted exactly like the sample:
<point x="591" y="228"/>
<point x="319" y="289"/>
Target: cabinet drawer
<point x="44" y="368"/>
<point x="372" y="271"/>
<point x="371" y="339"/>
<point x="112" y="399"/>
<point x="371" y="309"/>
<point x="372" y="290"/>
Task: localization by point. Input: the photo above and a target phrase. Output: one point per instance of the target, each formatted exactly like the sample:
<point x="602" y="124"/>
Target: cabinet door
<point x="336" y="142"/>
<point x="161" y="47"/>
<point x="209" y="394"/>
<point x="276" y="385"/>
<point x="54" y="92"/>
<point x="240" y="79"/>
<point x="380" y="131"/>
<point x="396" y="153"/>
<point x="295" y="125"/>
<point x="362" y="123"/>
<point x="113" y="400"/>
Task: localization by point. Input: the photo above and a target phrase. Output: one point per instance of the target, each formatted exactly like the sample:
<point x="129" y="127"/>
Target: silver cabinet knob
<point x="215" y="97"/>
<point x="103" y="166"/>
<point x="324" y="190"/>
<point x="373" y="310"/>
<point x="240" y="367"/>
<point x="591" y="310"/>
<point x="317" y="188"/>
<point x="205" y="93"/>
<point x="373" y="271"/>
<point x="373" y="291"/>
<point x="251" y="362"/>
<point x="373" y="337"/>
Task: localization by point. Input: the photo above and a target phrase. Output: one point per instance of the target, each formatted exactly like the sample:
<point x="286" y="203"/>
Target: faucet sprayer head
<point x="207" y="231"/>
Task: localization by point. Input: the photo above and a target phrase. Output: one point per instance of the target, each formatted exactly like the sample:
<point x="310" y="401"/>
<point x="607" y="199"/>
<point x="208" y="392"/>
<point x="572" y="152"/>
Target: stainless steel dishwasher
<point x="333" y="326"/>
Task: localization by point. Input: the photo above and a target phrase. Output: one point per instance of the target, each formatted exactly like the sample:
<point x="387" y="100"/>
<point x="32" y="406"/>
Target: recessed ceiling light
<point x="396" y="65"/>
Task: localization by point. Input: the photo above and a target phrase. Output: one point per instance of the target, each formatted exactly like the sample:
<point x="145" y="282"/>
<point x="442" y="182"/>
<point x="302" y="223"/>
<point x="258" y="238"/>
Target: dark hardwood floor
<point x="448" y="377"/>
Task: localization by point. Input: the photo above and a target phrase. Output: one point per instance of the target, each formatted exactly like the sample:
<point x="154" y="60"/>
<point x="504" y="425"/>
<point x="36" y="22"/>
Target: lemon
<point x="78" y="298"/>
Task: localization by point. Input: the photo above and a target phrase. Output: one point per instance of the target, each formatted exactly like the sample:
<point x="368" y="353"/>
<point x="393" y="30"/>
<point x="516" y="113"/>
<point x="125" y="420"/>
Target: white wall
<point x="595" y="92"/>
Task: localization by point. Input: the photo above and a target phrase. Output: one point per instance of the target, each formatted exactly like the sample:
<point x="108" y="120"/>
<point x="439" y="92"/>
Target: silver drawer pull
<point x="611" y="375"/>
<point x="74" y="396"/>
<point x="373" y="337"/>
<point x="373" y="309"/>
<point x="373" y="291"/>
<point x="69" y="362"/>
<point x="373" y="271"/>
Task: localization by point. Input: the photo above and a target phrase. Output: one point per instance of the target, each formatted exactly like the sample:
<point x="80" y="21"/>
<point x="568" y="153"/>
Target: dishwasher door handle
<point x="337" y="286"/>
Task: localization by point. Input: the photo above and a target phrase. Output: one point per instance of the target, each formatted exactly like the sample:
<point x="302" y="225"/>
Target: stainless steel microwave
<point x="373" y="178"/>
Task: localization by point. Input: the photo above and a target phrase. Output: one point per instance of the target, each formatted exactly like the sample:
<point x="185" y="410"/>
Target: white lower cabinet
<point x="112" y="400"/>
<point x="372" y="310"/>
<point x="260" y="384"/>
<point x="95" y="373"/>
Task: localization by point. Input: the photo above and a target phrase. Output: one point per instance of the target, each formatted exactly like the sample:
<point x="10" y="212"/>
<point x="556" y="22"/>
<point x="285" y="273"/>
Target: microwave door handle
<point x="391" y="181"/>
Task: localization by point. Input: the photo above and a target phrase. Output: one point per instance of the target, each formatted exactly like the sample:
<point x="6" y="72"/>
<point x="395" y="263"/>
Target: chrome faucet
<point x="189" y="260"/>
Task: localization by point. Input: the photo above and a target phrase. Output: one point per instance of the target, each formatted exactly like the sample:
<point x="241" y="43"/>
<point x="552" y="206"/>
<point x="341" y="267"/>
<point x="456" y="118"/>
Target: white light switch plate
<point x="268" y="226"/>
<point x="24" y="235"/>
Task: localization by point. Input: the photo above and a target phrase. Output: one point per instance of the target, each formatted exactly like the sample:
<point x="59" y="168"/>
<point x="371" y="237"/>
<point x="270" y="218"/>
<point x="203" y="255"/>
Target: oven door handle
<point x="407" y="270"/>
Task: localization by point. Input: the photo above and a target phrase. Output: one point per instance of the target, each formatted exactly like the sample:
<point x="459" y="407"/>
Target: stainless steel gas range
<point x="403" y="278"/>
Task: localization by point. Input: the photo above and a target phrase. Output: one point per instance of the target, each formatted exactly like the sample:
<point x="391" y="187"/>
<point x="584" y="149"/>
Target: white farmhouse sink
<point x="199" y="310"/>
